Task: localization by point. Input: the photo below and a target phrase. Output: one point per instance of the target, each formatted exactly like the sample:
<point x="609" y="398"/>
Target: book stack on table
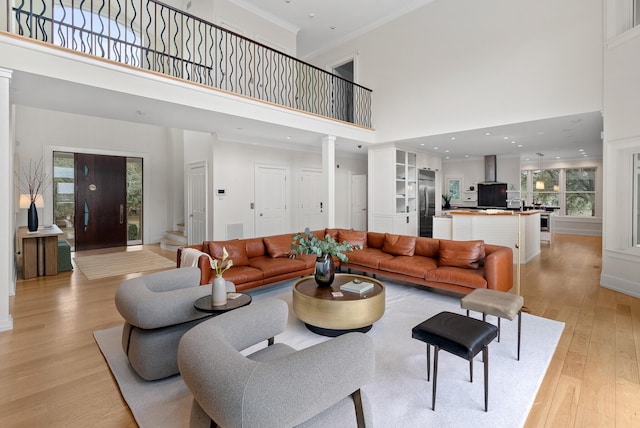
<point x="357" y="287"/>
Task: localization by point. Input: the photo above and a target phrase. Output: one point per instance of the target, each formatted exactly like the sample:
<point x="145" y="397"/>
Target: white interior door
<point x="359" y="202"/>
<point x="310" y="191"/>
<point x="271" y="200"/>
<point x="197" y="202"/>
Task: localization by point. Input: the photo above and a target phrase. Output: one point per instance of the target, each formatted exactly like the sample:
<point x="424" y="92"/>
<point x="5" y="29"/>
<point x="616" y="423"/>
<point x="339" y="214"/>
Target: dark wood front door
<point x="101" y="201"/>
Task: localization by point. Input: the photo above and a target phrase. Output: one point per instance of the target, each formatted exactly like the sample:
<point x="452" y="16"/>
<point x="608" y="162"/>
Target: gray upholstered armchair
<point x="158" y="310"/>
<point x="276" y="386"/>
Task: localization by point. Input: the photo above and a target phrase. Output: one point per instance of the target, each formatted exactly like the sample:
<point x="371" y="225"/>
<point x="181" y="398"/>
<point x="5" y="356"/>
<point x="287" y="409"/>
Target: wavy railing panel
<point x="154" y="36"/>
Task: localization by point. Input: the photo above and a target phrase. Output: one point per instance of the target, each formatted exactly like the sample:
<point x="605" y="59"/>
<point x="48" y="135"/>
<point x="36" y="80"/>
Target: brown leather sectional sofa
<point x="457" y="266"/>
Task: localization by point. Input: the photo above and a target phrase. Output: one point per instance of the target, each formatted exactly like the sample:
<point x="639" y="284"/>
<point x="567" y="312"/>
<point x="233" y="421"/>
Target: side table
<point x="39" y="251"/>
<point x="203" y="304"/>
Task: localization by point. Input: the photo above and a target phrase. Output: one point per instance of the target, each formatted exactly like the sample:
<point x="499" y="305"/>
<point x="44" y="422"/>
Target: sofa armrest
<point x="498" y="268"/>
<point x="253" y="324"/>
<point x="160" y="299"/>
<point x="179" y="252"/>
<point x="310" y="381"/>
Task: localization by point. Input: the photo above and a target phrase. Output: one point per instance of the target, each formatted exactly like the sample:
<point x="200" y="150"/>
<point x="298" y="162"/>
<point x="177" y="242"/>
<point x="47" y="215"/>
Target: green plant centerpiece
<point x="324" y="249"/>
<point x="446" y="197"/>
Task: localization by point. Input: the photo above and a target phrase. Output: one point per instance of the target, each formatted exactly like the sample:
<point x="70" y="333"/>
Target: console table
<point x="39" y="251"/>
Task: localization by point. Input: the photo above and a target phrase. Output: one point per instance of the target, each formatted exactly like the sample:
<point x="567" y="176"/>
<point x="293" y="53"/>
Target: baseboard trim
<point x="620" y="285"/>
<point x="7" y="324"/>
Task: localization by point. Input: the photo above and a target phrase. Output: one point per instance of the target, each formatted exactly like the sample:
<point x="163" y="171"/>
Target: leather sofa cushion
<point x="353" y="237"/>
<point x="399" y="245"/>
<point x="332" y="232"/>
<point x="427" y="247"/>
<point x="416" y="266"/>
<point x="255" y="247"/>
<point x="276" y="266"/>
<point x="375" y="239"/>
<point x="464" y="254"/>
<point x="369" y="257"/>
<point x="278" y="245"/>
<point x="472" y="278"/>
<point x="240" y="274"/>
<point x="236" y="249"/>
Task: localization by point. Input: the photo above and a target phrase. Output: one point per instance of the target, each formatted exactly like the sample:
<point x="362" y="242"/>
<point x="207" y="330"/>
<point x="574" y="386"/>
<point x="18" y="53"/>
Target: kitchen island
<point x="496" y="227"/>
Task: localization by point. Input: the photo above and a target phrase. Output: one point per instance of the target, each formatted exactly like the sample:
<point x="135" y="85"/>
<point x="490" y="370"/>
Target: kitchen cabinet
<point x="393" y="191"/>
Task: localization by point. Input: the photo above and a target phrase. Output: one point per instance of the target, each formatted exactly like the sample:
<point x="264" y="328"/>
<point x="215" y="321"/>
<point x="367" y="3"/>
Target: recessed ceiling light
<point x="557" y="157"/>
<point x="446" y="151"/>
<point x="312" y="15"/>
<point x="288" y="137"/>
<point x="505" y="138"/>
<point x="581" y="150"/>
<point x="435" y="148"/>
<point x="519" y="145"/>
<point x="447" y="157"/>
<point x="333" y="27"/>
<point x="513" y="142"/>
<point x="422" y="144"/>
<point x="466" y="156"/>
<point x="487" y="133"/>
<point x="453" y="138"/>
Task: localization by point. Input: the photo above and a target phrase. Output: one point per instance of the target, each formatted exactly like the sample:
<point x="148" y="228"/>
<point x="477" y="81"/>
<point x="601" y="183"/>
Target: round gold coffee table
<point x="329" y="315"/>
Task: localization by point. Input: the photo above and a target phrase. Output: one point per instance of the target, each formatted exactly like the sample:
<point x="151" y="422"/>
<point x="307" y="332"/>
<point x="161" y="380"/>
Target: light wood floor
<point x="52" y="373"/>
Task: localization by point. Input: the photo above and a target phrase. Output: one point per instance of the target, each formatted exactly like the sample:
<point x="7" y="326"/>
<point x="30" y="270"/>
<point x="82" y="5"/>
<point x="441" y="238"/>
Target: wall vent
<point x="235" y="231"/>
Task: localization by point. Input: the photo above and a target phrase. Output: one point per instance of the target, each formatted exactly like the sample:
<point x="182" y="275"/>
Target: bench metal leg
<point x="435" y="377"/>
<point x="428" y="362"/>
<point x="485" y="357"/>
<point x="519" y="330"/>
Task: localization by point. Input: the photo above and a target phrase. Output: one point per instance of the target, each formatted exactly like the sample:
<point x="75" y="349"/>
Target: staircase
<point x="174" y="239"/>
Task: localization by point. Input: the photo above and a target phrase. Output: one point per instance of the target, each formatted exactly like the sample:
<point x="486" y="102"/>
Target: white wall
<point x="39" y="132"/>
<point x="234" y="170"/>
<point x="620" y="260"/>
<point x="463" y="64"/>
<point x="471" y="171"/>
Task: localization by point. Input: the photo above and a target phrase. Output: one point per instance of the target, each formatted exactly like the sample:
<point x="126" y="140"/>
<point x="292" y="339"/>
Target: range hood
<point x="490" y="173"/>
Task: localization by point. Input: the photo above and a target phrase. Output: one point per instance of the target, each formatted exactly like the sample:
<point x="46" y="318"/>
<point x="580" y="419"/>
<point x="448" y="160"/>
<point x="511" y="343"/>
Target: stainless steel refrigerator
<point x="426" y="201"/>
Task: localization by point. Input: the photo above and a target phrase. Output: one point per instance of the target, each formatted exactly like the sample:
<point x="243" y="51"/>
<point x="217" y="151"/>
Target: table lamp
<point x="32" y="215"/>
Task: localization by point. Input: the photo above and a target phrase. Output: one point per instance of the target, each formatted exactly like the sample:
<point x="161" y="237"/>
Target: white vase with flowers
<point x="219" y="286"/>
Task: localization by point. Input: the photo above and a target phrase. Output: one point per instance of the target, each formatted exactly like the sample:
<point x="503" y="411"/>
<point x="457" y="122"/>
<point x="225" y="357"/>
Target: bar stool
<point x="496" y="303"/>
<point x="458" y="335"/>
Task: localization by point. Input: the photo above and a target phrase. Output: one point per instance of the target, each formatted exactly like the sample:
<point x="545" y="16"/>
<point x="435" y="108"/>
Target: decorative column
<point x="7" y="216"/>
<point x="329" y="172"/>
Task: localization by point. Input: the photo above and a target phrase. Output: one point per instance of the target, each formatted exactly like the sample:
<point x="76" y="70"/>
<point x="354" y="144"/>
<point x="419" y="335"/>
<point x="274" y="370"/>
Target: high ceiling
<point x="324" y="24"/>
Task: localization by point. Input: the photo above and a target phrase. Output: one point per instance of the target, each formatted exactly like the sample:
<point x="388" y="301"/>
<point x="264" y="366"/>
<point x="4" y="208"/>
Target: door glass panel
<point x="134" y="201"/>
<point x="63" y="195"/>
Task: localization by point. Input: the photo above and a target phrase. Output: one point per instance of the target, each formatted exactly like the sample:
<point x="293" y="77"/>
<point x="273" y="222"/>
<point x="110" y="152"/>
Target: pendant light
<point x="539" y="182"/>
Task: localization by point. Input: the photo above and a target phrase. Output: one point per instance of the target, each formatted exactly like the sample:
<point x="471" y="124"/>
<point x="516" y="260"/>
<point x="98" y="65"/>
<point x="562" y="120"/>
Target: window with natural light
<point x="571" y="190"/>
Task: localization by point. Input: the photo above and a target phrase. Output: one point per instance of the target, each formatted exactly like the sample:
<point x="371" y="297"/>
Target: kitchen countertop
<point x="487" y="212"/>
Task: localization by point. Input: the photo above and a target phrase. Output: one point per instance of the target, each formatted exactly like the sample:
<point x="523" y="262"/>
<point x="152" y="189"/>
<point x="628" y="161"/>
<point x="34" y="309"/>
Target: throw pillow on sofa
<point x="463" y="254"/>
<point x="357" y="238"/>
<point x="236" y="250"/>
<point x="279" y="245"/>
<point x="399" y="245"/>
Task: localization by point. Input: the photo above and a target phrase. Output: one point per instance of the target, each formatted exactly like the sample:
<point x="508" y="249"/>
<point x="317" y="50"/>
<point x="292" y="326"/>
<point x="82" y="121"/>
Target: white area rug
<point x="121" y="263"/>
<point x="400" y="396"/>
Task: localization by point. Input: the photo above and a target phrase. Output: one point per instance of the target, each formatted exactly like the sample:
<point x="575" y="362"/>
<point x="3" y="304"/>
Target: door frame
<point x="299" y="189"/>
<point x="366" y="198"/>
<point x="48" y="163"/>
<point x="287" y="201"/>
<point x="187" y="195"/>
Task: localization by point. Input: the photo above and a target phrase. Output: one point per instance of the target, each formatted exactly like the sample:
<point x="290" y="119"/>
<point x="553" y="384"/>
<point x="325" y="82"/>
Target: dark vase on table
<point x="32" y="218"/>
<point x="325" y="270"/>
